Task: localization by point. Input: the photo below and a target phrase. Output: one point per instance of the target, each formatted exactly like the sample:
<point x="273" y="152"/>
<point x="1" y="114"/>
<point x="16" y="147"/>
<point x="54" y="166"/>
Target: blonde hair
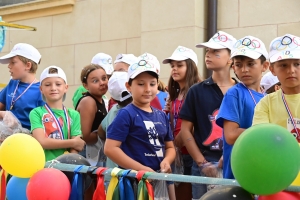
<point x="34" y="65"/>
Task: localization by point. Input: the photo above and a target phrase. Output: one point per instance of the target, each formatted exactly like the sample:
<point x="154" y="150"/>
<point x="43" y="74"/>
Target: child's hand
<point x="78" y="143"/>
<point x="165" y="167"/>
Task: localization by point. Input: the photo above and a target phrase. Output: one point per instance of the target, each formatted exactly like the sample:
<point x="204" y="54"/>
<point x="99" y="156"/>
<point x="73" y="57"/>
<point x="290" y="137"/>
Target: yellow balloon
<point x="21" y="155"/>
<point x="296" y="182"/>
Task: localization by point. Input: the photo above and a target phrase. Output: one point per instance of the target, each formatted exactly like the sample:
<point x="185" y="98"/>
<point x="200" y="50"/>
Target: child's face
<point x="249" y="70"/>
<point x="53" y="88"/>
<point x="96" y="83"/>
<point x="178" y="70"/>
<point x="287" y="72"/>
<point x="121" y="67"/>
<point x="217" y="58"/>
<point x="143" y="89"/>
<point x="17" y="68"/>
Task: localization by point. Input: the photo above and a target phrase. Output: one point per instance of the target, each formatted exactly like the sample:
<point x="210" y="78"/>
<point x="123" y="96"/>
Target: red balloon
<point x="281" y="196"/>
<point x="48" y="184"/>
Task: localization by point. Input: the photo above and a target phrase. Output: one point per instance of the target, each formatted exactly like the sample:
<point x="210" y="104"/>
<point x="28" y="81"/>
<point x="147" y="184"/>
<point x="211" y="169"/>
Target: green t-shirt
<point x="40" y="118"/>
<point x="78" y="94"/>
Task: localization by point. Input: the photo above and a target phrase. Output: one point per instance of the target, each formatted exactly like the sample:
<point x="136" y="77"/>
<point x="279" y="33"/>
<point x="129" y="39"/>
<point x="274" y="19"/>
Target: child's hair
<point x="87" y="70"/>
<point x="34" y="65"/>
<point x="192" y="77"/>
<point x="261" y="58"/>
<point x="272" y="89"/>
<point x="126" y="101"/>
<point x="161" y="86"/>
<point x="53" y="71"/>
<point x="148" y="72"/>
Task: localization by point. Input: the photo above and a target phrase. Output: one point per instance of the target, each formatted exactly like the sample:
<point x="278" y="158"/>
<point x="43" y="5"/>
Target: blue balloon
<point x="16" y="188"/>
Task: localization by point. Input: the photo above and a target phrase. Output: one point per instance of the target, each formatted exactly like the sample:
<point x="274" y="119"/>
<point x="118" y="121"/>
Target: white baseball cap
<point x="284" y="47"/>
<point x="126" y="58"/>
<point x="116" y="86"/>
<point x="268" y="80"/>
<point x="220" y="40"/>
<point x="105" y="61"/>
<point x="60" y="74"/>
<point x="146" y="63"/>
<point x="249" y="46"/>
<point x="182" y="53"/>
<point x="25" y="50"/>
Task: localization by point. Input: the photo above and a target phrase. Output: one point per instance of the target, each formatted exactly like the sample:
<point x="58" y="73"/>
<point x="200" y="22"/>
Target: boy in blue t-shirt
<point x="235" y="115"/>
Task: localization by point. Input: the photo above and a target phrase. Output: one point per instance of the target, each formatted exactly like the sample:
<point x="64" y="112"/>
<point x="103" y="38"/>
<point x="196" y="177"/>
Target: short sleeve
<point x="119" y="128"/>
<point x="187" y="112"/>
<point x="229" y="109"/>
<point x="3" y="95"/>
<point x="261" y="112"/>
<point x="75" y="126"/>
<point x="35" y="119"/>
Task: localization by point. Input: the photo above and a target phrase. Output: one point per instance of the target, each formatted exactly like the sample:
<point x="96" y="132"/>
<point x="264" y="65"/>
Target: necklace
<point x="252" y="94"/>
<point x="12" y="103"/>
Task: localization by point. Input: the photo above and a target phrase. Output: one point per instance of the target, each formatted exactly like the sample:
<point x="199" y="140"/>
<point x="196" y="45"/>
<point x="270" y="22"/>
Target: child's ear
<point x="128" y="87"/>
<point x="271" y="67"/>
<point x="229" y="62"/>
<point x="266" y="65"/>
<point x="85" y="86"/>
<point x="28" y="66"/>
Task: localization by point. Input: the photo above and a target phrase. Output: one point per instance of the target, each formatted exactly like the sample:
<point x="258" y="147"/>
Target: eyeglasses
<point x="286" y="42"/>
<point x="220" y="38"/>
<point x="247" y="42"/>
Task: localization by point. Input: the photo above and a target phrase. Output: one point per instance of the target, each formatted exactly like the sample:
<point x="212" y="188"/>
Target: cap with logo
<point x="220" y="40"/>
<point x="126" y="58"/>
<point x="182" y="53"/>
<point x="22" y="49"/>
<point x="105" y="61"/>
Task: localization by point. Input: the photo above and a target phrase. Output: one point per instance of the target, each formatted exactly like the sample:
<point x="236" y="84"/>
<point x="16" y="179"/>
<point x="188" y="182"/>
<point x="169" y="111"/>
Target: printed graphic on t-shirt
<point x="214" y="140"/>
<point x="51" y="130"/>
<point x="291" y="128"/>
<point x="153" y="139"/>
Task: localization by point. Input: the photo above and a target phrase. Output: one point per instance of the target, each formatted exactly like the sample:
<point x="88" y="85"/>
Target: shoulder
<point x="86" y="102"/>
<point x="37" y="111"/>
<point x="72" y="112"/>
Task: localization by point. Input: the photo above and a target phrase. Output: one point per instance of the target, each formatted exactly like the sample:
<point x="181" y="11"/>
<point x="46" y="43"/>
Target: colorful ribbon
<point x="3" y="176"/>
<point x="99" y="193"/>
<point x="145" y="189"/>
<point x="112" y="191"/>
<point x="77" y="185"/>
<point x="125" y="187"/>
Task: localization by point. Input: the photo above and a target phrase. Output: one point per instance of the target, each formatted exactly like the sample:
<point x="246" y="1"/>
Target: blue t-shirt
<point x="142" y="134"/>
<point x="31" y="99"/>
<point x="162" y="98"/>
<point x="237" y="106"/>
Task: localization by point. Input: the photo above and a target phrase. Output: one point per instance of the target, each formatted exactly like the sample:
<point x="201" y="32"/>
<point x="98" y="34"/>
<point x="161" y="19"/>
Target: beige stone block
<point x="291" y="28"/>
<point x="258" y="12"/>
<point x="39" y="39"/>
<point x="62" y="57"/>
<point x="228" y="14"/>
<point x="265" y="33"/>
<point x="6" y="48"/>
<point x="80" y="26"/>
<point x="201" y="13"/>
<point x="120" y="19"/>
<point x="85" y="52"/>
<point x="134" y="46"/>
<point x="163" y="43"/>
<point x="157" y="15"/>
<point x="4" y="75"/>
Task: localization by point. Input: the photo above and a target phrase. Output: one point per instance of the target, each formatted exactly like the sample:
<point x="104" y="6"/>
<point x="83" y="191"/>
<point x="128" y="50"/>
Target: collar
<point x="210" y="81"/>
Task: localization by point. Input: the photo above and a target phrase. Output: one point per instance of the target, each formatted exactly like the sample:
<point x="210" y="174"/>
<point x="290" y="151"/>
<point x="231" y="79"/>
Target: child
<point x="235" y="115"/>
<point x="184" y="74"/>
<point x="140" y="136"/>
<point x="270" y="83"/>
<point x="283" y="106"/>
<point x="118" y="91"/>
<point x="22" y="93"/>
<point x="56" y="128"/>
<point x="199" y="133"/>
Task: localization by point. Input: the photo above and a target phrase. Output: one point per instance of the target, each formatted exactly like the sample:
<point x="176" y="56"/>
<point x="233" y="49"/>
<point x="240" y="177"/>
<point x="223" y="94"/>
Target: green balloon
<point x="265" y="159"/>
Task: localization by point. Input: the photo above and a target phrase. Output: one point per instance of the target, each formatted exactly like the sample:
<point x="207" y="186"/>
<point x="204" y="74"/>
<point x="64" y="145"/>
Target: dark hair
<point x="261" y="58"/>
<point x="87" y="70"/>
<point x="155" y="75"/>
<point x="192" y="77"/>
<point x="272" y="88"/>
<point x="126" y="101"/>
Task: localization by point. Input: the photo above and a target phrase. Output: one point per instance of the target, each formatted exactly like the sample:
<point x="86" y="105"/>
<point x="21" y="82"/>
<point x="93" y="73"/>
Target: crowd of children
<point x="142" y="124"/>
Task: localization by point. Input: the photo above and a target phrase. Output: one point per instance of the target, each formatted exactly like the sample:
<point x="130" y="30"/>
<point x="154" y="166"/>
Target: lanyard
<point x="252" y="94"/>
<point x="176" y="114"/>
<point x="289" y="112"/>
<point x="12" y="103"/>
<point x="57" y="122"/>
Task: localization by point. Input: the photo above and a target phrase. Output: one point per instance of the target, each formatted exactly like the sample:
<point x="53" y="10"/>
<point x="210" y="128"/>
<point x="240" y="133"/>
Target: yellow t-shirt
<point x="271" y="109"/>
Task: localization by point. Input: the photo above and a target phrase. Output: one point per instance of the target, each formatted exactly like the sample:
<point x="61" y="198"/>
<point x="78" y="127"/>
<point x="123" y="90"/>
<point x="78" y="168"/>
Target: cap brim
<point x="282" y="56"/>
<point x="247" y="53"/>
<point x="211" y="45"/>
<point x="5" y="59"/>
<point x="176" y="58"/>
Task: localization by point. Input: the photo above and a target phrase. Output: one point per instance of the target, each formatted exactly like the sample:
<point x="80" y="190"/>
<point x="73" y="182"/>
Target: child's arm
<point x="232" y="131"/>
<point x="114" y="152"/>
<point x="165" y="165"/>
<point x="2" y="106"/>
<point x="101" y="132"/>
<point x="49" y="143"/>
<point x="87" y="109"/>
